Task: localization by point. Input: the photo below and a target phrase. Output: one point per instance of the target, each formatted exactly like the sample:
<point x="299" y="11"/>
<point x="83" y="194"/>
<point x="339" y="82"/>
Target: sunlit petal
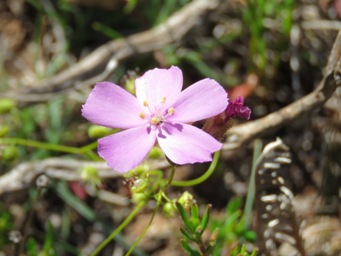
<point x="125" y="150"/>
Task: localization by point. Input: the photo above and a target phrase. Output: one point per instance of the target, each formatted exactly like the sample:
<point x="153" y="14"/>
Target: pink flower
<point x="160" y="112"/>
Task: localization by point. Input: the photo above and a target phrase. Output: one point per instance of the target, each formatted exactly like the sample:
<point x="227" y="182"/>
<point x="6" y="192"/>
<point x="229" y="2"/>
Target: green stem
<point x="119" y="229"/>
<point x="49" y="146"/>
<point x="252" y="186"/>
<point x="171" y="175"/>
<point x="29" y="220"/>
<point x="159" y="199"/>
<point x="202" y="178"/>
<point x="160" y="195"/>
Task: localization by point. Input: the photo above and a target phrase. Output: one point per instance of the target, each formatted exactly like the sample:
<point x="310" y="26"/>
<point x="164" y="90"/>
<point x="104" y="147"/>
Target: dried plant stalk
<point x="330" y="128"/>
<point x="276" y="220"/>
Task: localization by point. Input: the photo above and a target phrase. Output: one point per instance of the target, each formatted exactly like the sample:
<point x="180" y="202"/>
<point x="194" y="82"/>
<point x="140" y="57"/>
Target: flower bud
<point x="139" y="197"/>
<point x="155" y="153"/>
<point x="186" y="200"/>
<point x="4" y="129"/>
<point x="96" y="131"/>
<point x="9" y="153"/>
<point x="6" y="105"/>
<point x="169" y="209"/>
<point x="90" y="175"/>
<point x="130" y="85"/>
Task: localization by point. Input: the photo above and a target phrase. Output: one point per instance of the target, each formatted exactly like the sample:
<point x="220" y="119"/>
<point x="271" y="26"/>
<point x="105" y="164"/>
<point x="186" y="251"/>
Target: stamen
<point x="155" y="120"/>
<point x="145" y="103"/>
<point x="141" y="115"/>
<point x="163" y="100"/>
<point x="171" y="111"/>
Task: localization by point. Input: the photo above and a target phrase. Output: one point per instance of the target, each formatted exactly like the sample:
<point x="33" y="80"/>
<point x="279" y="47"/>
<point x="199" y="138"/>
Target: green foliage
<point x="48" y="247"/>
<point x="6" y="106"/>
<point x="96" y="131"/>
<point x="82" y="208"/>
<point x="227" y="232"/>
<point x="194" y="229"/>
<point x="240" y="250"/>
<point x="5" y="226"/>
<point x="8" y="154"/>
<point x="232" y="228"/>
<point x="254" y="15"/>
<point x="4" y="129"/>
<point x="158" y="11"/>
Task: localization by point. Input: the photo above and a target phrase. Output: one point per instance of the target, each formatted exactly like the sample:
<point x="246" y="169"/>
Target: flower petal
<point x="201" y="100"/>
<point x="125" y="150"/>
<point x="156" y="84"/>
<point x="112" y="106"/>
<point x="185" y="144"/>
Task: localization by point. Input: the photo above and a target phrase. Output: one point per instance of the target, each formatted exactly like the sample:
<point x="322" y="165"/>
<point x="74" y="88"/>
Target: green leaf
<point x="234" y="205"/>
<point x="187" y="235"/>
<point x="189" y="249"/>
<point x="232" y="219"/>
<point x="195" y="215"/>
<point x="106" y="30"/>
<point x="48" y="248"/>
<point x="254" y="252"/>
<point x="82" y="208"/>
<point x="205" y="218"/>
<point x="250" y="235"/>
<point x="185" y="218"/>
<point x="32" y="248"/>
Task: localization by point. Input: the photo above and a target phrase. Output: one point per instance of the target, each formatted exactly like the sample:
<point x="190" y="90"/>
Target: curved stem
<point x="171" y="175"/>
<point x="202" y="178"/>
<point x="119" y="229"/>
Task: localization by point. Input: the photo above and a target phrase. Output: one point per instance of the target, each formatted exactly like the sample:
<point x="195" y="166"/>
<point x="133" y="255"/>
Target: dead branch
<point x="89" y="69"/>
<point x="22" y="176"/>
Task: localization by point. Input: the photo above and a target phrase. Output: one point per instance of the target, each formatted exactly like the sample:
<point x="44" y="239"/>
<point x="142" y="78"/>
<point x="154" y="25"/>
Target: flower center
<point x="157" y="118"/>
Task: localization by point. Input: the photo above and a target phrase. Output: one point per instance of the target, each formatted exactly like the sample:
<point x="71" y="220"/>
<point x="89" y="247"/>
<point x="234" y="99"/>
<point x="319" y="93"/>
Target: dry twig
<point x="24" y="174"/>
<point x="106" y="57"/>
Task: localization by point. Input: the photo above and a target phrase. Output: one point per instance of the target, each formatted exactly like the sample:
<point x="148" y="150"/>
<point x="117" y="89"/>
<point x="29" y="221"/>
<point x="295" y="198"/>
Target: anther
<point x="163" y="100"/>
<point x="145" y="103"/>
<point x="171" y="111"/>
<point x="141" y="115"/>
<point x="155" y="120"/>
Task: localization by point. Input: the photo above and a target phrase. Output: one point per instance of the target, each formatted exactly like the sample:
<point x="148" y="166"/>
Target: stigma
<point x="156" y="120"/>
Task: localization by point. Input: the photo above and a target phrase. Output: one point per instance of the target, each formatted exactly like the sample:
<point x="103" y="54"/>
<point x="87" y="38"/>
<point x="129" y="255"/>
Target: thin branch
<point x="22" y="176"/>
<point x="106" y="57"/>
